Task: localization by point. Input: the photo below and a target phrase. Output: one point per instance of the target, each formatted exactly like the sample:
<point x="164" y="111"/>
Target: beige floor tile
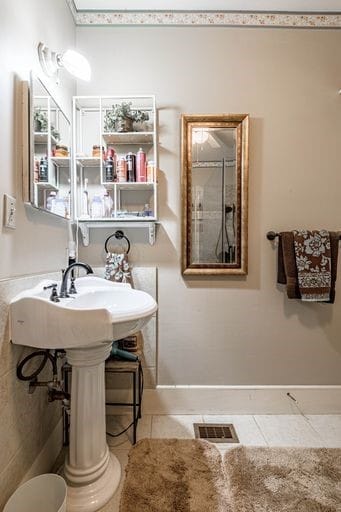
<point x="328" y="428"/>
<point x="287" y="430"/>
<point x="116" y="423"/>
<point x="114" y="504"/>
<point x="176" y="426"/>
<point x="245" y="426"/>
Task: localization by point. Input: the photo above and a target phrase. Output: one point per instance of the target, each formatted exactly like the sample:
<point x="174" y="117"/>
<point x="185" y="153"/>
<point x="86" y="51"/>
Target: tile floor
<point x="259" y="430"/>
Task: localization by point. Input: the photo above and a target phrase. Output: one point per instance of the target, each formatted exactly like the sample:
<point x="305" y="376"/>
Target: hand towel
<point x="313" y="263"/>
<point x="117" y="268"/>
<point x="287" y="272"/>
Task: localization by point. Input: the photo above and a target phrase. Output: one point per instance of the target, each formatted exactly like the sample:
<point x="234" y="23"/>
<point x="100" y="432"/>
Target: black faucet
<point x="63" y="288"/>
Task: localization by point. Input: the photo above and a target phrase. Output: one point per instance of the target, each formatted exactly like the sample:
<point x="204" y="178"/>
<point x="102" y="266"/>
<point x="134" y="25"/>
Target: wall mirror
<point x="214" y="194"/>
<point x="50" y="160"/>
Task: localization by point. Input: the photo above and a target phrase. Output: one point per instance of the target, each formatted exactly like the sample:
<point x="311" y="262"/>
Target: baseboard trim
<point x="243" y="400"/>
<point x="48" y="455"/>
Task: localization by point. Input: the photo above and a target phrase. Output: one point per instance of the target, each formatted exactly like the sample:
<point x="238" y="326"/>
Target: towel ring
<point x="118" y="235"/>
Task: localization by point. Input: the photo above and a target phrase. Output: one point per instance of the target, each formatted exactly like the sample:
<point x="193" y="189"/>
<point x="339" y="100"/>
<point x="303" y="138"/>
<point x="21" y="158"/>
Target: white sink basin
<point x="101" y="311"/>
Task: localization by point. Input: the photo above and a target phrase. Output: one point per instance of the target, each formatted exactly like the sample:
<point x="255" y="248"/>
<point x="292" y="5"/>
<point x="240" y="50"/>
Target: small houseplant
<point x="121" y="118"/>
<point x="40" y="121"/>
<point x="41" y="124"/>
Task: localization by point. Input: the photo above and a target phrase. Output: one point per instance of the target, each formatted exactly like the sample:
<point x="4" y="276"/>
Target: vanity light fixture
<point x="72" y="61"/>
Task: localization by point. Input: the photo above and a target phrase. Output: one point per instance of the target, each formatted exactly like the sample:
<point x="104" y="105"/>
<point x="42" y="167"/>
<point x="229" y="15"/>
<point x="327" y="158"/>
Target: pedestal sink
<point x="85" y="326"/>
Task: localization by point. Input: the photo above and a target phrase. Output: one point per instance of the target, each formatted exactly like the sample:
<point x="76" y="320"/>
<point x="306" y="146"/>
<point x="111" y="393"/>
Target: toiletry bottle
<point x="59" y="207"/>
<point x="85" y="201"/>
<point x="97" y="151"/>
<point x="43" y="170"/>
<point x="147" y="212"/>
<point x="110" y="166"/>
<point x="36" y="170"/>
<point x="131" y="166"/>
<point x="141" y="166"/>
<point x="107" y="204"/>
<point x="109" y="170"/>
<point x="122" y="170"/>
<point x="50" y="201"/>
<point x="97" y="207"/>
<point x="151" y="171"/>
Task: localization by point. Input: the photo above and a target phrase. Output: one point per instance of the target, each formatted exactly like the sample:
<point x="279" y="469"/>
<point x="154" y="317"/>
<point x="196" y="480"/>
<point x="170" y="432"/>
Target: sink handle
<point x="72" y="286"/>
<point x="54" y="295"/>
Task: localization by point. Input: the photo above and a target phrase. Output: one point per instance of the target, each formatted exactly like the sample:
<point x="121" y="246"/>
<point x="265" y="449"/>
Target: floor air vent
<point x="216" y="432"/>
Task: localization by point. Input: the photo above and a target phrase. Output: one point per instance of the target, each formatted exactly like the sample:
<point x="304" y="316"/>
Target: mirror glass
<point x="214" y="193"/>
<point x="50" y="136"/>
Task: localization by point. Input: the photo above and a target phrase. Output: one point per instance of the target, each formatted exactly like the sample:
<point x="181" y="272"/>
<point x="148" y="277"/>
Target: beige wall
<point x="39" y="242"/>
<point x="229" y="330"/>
<point x="36" y="245"/>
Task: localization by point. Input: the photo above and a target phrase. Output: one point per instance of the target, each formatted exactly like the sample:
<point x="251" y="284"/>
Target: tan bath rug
<point x="284" y="479"/>
<point x="173" y="475"/>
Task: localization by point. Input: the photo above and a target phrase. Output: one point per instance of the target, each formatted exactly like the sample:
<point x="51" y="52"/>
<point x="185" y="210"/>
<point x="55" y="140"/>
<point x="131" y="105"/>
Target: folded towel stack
<point x="307" y="264"/>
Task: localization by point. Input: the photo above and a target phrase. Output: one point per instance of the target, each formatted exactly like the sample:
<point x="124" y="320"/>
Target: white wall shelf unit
<point x="85" y="227"/>
<point x="114" y="171"/>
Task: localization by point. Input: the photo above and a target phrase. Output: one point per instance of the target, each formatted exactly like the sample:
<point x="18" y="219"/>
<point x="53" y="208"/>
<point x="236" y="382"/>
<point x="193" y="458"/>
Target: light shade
<point x="75" y="63"/>
<point x="200" y="136"/>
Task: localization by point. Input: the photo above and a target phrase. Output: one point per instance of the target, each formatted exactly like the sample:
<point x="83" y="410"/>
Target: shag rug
<point x="189" y="475"/>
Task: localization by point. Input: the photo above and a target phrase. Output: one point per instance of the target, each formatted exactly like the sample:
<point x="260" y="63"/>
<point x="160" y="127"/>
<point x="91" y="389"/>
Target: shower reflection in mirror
<point x="214" y="194"/>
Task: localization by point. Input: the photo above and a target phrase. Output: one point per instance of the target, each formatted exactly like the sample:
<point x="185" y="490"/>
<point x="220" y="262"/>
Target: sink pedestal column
<point x="92" y="472"/>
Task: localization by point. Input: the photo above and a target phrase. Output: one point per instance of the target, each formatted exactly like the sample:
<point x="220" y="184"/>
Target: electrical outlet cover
<point x="9" y="212"/>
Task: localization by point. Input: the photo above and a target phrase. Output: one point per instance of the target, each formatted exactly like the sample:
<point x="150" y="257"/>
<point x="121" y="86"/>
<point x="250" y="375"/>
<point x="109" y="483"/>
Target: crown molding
<point x="205" y="18"/>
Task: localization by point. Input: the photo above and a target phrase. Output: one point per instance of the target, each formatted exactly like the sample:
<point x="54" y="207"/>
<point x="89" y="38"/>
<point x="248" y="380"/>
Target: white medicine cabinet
<point x="100" y="169"/>
<point x="115" y="162"/>
<point x="50" y="183"/>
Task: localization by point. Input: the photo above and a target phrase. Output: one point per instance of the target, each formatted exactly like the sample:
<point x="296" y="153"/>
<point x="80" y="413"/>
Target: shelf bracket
<point x="84" y="228"/>
<point x="151" y="233"/>
<point x="85" y="232"/>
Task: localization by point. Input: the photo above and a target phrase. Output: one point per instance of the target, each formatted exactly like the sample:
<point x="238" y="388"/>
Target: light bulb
<point x="72" y="61"/>
<point x="200" y="136"/>
<point x="76" y="64"/>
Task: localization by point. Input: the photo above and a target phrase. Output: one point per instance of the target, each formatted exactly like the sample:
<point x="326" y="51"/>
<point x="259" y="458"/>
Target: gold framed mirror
<point x="214" y="194"/>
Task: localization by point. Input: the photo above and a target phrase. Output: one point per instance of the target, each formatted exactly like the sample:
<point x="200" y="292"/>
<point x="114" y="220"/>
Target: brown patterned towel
<point x="313" y="262"/>
<point x="287" y="272"/>
<point x="117" y="268"/>
<point x="286" y="268"/>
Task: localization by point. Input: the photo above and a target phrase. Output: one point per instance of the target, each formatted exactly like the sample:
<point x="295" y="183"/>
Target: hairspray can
<point x="110" y="166"/>
<point x="141" y="166"/>
<point x="44" y="169"/>
<point x="110" y="152"/>
<point x="122" y="169"/>
<point x="131" y="166"/>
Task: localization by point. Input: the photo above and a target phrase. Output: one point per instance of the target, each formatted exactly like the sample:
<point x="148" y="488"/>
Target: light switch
<point x="9" y="211"/>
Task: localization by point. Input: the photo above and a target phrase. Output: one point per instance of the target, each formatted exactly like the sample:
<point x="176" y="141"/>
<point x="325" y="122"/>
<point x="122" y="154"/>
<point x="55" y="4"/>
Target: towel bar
<point x="271" y="235"/>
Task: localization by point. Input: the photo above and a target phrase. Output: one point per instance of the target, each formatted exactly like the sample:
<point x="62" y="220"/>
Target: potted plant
<point x="40" y="121"/>
<point x="41" y="124"/>
<point x="121" y="118"/>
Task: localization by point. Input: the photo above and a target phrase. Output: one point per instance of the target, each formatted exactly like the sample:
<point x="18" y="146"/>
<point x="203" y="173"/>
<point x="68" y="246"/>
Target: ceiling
<point x="311" y="6"/>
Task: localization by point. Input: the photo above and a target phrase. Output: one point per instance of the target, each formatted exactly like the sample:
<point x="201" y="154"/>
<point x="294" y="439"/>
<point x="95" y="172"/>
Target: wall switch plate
<point x="9" y="212"/>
